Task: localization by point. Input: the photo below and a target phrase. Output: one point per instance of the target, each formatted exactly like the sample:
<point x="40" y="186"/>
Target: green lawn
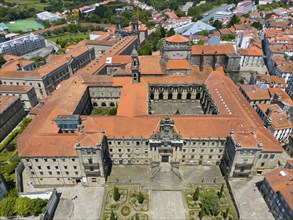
<point x="30" y="4"/>
<point x="68" y="36"/>
<point x="22" y="25"/>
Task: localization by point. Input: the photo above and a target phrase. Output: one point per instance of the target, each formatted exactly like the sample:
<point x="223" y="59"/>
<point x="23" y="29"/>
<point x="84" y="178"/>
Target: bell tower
<point x="118" y="27"/>
<point x="135" y="66"/>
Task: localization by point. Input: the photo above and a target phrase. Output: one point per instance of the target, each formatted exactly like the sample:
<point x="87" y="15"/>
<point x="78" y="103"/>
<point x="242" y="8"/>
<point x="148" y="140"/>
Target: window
<point x="37" y="160"/>
<point x="118" y="142"/>
<point x="128" y="150"/>
<point x="67" y="173"/>
<point x="75" y="167"/>
<point x="184" y="150"/>
<point x="50" y="172"/>
<point x="211" y="150"/>
<point x="30" y="167"/>
<point x="201" y="157"/>
<point x="39" y="167"/>
<point x="221" y="150"/>
<point x="65" y="167"/>
<point x="56" y="167"/>
<point x="58" y="173"/>
<point x="192" y="157"/>
<point x="76" y="173"/>
<point x="27" y="160"/>
<point x="128" y="143"/>
<point x="32" y="172"/>
<point x="45" y="160"/>
<point x="48" y="167"/>
<point x="262" y="164"/>
<point x="41" y="173"/>
<point x="244" y="161"/>
<point x="193" y="150"/>
<point x="265" y="156"/>
<point x="137" y="143"/>
<point x="210" y="157"/>
<point x="119" y="150"/>
<point x="54" y="160"/>
<point x="90" y="161"/>
<point x="202" y="150"/>
<point x="73" y="159"/>
<point x="272" y="156"/>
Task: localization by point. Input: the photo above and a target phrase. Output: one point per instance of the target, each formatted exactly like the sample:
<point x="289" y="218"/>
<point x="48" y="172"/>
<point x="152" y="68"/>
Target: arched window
<point x="161" y="96"/>
<point x="112" y="104"/>
<point x="188" y="96"/>
<point x="198" y="95"/>
<point x="152" y="96"/>
<point x="104" y="104"/>
<point x="179" y="96"/>
<point x="170" y="96"/>
<point x="95" y="104"/>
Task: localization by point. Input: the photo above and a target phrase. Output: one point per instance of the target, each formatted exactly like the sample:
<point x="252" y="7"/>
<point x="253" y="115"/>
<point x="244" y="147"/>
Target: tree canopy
<point x="210" y="205"/>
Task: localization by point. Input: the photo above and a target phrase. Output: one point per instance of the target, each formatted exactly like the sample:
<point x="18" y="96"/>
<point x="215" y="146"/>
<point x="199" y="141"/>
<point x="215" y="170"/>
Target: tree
<point x="210" y="205"/>
<point x="200" y="42"/>
<point x="39" y="205"/>
<point x="2" y="61"/>
<point x="23" y="206"/>
<point x="203" y="33"/>
<point x="257" y="25"/>
<point x="112" y="216"/>
<point x="163" y="32"/>
<point x="40" y="61"/>
<point x="217" y="24"/>
<point x="171" y="32"/>
<point x="180" y="13"/>
<point x="136" y="217"/>
<point x="195" y="195"/>
<point x="226" y="213"/>
<point x="221" y="191"/>
<point x="140" y="198"/>
<point x="201" y="213"/>
<point x="116" y="195"/>
<point x="7" y="206"/>
<point x="234" y="20"/>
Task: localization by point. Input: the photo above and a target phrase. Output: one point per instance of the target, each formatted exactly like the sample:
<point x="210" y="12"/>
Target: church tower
<point x="118" y="28"/>
<point x="135" y="66"/>
<point x="134" y="27"/>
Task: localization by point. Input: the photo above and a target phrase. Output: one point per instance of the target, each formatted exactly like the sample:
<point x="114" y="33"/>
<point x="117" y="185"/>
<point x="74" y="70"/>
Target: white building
<point x="222" y="14"/>
<point x="48" y="16"/>
<point x="22" y="45"/>
<point x="244" y="7"/>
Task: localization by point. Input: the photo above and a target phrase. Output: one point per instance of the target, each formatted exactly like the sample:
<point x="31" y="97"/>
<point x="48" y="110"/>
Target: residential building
<point x="87" y="10"/>
<point x="277" y="192"/>
<point x="11" y="113"/>
<point x="222" y="14"/>
<point x="22" y="45"/>
<point x="197" y="27"/>
<point x="276" y="120"/>
<point x="244" y="7"/>
<point x="289" y="88"/>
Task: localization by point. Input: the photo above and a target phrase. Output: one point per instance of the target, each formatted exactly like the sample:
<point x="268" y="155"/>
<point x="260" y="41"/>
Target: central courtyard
<point x="176" y="107"/>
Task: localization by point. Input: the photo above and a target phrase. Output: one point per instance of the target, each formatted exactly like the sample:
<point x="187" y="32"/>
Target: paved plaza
<point x="168" y="205"/>
<point x="165" y="178"/>
<point x="176" y="107"/>
<point x="250" y="202"/>
<point x="86" y="205"/>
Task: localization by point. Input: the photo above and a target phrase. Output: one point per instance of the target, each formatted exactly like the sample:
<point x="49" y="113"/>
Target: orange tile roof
<point x="282" y="184"/>
<point x="178" y="64"/>
<point x="18" y="89"/>
<point x="254" y="93"/>
<point x="6" y="101"/>
<point x="177" y="38"/>
<point x="212" y="49"/>
<point x="251" y="51"/>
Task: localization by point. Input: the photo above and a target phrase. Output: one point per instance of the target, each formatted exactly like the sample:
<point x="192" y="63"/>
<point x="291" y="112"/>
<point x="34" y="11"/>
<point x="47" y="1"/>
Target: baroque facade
<point x="65" y="144"/>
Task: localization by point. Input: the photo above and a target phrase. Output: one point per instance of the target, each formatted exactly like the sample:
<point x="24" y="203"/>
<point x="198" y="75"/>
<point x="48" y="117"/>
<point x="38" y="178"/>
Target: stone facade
<point x="11" y="113"/>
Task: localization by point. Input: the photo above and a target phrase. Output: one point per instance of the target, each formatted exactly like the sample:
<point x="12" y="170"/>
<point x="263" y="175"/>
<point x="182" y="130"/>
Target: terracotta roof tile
<point x="177" y="38"/>
<point x="178" y="64"/>
<point x="212" y="49"/>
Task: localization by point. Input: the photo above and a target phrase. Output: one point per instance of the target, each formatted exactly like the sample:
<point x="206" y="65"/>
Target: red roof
<point x="177" y="38"/>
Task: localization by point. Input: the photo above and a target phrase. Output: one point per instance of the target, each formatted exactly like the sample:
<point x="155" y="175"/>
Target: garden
<point x="209" y="202"/>
<point x="126" y="202"/>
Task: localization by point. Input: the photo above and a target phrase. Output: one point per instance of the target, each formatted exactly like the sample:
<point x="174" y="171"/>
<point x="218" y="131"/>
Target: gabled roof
<point x="178" y="64"/>
<point x="177" y="38"/>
